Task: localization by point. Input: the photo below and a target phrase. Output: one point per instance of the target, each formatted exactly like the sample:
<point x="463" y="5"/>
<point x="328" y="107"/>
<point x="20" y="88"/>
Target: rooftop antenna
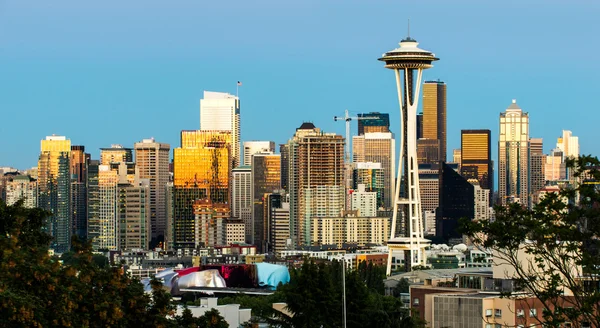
<point x="409" y="28"/>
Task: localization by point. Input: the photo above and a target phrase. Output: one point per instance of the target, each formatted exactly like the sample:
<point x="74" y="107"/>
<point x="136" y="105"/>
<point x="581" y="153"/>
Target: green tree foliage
<point x="36" y="290"/>
<point x="314" y="297"/>
<point x="403" y="286"/>
<point x="212" y="319"/>
<point x="560" y="238"/>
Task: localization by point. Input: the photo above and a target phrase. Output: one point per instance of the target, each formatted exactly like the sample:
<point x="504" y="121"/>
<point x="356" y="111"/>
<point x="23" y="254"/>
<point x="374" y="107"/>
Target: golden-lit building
<point x="434" y="115"/>
<point x="202" y="170"/>
<point x="79" y="164"/>
<point x="476" y="157"/>
<point x="115" y="154"/>
<point x="54" y="193"/>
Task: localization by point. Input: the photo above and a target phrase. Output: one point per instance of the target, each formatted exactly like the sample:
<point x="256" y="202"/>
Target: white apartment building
<point x="364" y="201"/>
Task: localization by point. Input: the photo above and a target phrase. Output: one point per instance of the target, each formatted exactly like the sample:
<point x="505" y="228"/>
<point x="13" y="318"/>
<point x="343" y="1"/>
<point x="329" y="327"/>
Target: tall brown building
<point x="315" y="178"/>
<point x="266" y="179"/>
<point x="476" y="157"/>
<point x="202" y="170"/>
<point x="434" y="115"/>
<point x="537" y="174"/>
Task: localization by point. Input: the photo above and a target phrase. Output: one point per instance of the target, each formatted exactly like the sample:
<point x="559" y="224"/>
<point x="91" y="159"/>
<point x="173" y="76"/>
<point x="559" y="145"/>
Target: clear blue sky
<point x="106" y="72"/>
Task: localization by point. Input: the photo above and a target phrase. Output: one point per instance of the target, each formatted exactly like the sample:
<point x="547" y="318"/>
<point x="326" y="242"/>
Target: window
<point x="532" y="313"/>
<point x="415" y="301"/>
<point x="520" y="313"/>
<point x="498" y="313"/>
<point x="488" y="312"/>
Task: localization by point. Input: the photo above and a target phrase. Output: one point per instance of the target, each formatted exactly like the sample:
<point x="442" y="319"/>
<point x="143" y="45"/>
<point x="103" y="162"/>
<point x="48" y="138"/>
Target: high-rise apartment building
<point x="266" y="179"/>
<point x="379" y="122"/>
<point x="152" y="163"/>
<point x="220" y="111"/>
<point x="134" y="215"/>
<point x="428" y="151"/>
<point x="285" y="166"/>
<point x="434" y="114"/>
<point x="255" y="147"/>
<point x="513" y="159"/>
<point x="476" y="157"/>
<point x="365" y="202"/>
<point x="21" y="187"/>
<point x="350" y="228"/>
<point x="210" y="224"/>
<point x="378" y="147"/>
<point x="202" y="170"/>
<point x="115" y="154"/>
<point x="54" y="189"/>
<point x="316" y="163"/>
<point x="103" y="224"/>
<point x="79" y="164"/>
<point x="537" y="176"/>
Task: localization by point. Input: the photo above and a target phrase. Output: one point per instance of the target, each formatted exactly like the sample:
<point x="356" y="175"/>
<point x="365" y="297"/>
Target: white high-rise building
<point x="482" y="202"/>
<point x="568" y="144"/>
<point x="221" y="111"/>
<point x="364" y="201"/>
<point x="241" y="194"/>
<point x="255" y="147"/>
<point x="513" y="159"/>
<point x="378" y="147"/>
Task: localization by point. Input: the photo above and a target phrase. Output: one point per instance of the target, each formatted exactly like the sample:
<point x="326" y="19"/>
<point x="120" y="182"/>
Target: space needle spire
<point x="408" y="62"/>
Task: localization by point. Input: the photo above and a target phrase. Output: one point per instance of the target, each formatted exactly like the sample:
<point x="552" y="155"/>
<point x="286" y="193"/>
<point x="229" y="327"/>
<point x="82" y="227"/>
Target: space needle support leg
<point x="399" y="174"/>
<point x="415" y="207"/>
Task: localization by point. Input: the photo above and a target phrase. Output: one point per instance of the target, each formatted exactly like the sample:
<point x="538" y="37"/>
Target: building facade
<point x="241" y="191"/>
<point x="220" y="111"/>
<point x="513" y="159"/>
<point x="54" y="189"/>
<point x="378" y="147"/>
<point x="365" y="202"/>
<point x="255" y="147"/>
<point x="152" y="162"/>
<point x="434" y="115"/>
<point x="350" y="229"/>
<point x="266" y="179"/>
<point x="202" y="171"/>
<point x="537" y="176"/>
<point x="476" y="157"/>
<point x="316" y="162"/>
<point x="457" y="201"/>
<point x="379" y="122"/>
<point x="21" y="187"/>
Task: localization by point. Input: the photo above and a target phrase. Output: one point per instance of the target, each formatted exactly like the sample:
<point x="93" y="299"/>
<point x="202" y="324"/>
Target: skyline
<point x="119" y="78"/>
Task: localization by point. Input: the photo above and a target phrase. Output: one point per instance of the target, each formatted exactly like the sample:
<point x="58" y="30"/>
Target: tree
<point x="212" y="319"/>
<point x="553" y="248"/>
<point x="36" y="290"/>
<point x="403" y="286"/>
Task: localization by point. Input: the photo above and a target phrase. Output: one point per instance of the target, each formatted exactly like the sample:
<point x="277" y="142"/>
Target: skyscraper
<point x="277" y="210"/>
<point x="134" y="212"/>
<point x="379" y="124"/>
<point x="316" y="168"/>
<point x="513" y="159"/>
<point x="476" y="157"/>
<point x="220" y="111"/>
<point x="457" y="200"/>
<point x="254" y="147"/>
<point x="266" y="179"/>
<point x="419" y="125"/>
<point x="554" y="167"/>
<point x="21" y="187"/>
<point x="537" y="176"/>
<point x="434" y="114"/>
<point x="79" y="164"/>
<point x="241" y="191"/>
<point x="202" y="169"/>
<point x="378" y="147"/>
<point x="370" y="175"/>
<point x="54" y="195"/>
<point x="152" y="162"/>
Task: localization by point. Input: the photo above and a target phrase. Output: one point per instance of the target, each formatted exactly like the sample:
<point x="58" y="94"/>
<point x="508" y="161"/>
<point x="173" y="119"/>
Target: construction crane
<point x="348" y="118"/>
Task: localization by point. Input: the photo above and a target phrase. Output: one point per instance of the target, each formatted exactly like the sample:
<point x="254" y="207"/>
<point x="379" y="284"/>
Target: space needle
<point x="408" y="62"/>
